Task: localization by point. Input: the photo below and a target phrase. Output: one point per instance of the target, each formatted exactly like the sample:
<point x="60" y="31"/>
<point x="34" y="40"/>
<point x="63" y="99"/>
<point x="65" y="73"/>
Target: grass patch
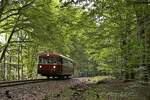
<point x="97" y="79"/>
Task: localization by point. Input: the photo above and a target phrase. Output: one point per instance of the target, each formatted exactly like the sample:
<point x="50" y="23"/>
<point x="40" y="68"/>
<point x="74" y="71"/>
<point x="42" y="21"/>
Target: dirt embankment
<point x="78" y="89"/>
<point x="37" y="91"/>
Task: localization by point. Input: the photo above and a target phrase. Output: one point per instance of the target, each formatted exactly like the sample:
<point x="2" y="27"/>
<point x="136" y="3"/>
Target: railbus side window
<point x="70" y="64"/>
<point x="67" y="63"/>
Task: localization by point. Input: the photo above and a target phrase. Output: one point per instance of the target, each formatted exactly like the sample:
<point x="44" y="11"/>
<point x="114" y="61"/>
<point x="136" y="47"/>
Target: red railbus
<point x="55" y="65"/>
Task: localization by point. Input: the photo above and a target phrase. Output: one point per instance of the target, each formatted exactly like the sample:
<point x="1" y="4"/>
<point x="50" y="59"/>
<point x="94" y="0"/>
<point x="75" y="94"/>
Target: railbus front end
<point x="55" y="65"/>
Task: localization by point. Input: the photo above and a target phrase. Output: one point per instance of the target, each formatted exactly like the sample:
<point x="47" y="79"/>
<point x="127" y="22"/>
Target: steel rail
<point x="21" y="82"/>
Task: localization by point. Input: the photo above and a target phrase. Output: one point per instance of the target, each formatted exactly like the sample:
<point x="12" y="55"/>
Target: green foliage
<point x="108" y="36"/>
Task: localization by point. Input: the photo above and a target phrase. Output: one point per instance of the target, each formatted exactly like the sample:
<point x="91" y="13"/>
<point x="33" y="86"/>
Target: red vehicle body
<point x="55" y="65"/>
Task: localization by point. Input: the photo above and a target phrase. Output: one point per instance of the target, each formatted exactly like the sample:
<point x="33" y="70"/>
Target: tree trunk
<point x="142" y="16"/>
<point x="147" y="39"/>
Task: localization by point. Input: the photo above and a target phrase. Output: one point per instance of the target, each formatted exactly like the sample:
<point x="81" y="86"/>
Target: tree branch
<point x="2" y="6"/>
<point x="19" y="10"/>
<point x="9" y="16"/>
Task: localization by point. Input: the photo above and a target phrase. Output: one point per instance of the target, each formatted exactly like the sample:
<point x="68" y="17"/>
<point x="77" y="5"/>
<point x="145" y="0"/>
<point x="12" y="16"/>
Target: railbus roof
<point x="66" y="58"/>
<point x="55" y="54"/>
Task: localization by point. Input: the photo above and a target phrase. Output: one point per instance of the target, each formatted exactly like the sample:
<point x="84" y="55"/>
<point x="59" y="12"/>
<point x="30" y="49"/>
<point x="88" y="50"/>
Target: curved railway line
<point x="20" y="82"/>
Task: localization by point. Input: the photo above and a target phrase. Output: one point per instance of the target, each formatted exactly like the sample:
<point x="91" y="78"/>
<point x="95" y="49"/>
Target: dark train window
<point x="54" y="60"/>
<point x="42" y="61"/>
<point x="50" y="60"/>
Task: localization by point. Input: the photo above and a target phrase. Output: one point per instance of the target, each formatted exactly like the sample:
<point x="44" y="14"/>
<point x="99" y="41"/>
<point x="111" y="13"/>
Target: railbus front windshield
<point x="50" y="60"/>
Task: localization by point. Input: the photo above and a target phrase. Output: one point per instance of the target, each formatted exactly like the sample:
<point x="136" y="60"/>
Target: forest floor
<point x="104" y="88"/>
<point x="85" y="88"/>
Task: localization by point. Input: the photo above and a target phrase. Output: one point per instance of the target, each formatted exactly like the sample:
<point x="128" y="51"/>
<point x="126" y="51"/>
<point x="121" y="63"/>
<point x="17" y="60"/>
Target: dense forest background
<point x="104" y="37"/>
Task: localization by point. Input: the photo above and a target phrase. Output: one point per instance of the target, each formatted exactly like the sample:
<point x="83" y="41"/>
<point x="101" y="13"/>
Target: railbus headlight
<point x="40" y="66"/>
<point x="54" y="67"/>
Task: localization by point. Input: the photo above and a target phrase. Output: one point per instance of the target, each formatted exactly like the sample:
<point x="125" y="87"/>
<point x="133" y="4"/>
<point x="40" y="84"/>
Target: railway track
<point x="21" y="82"/>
